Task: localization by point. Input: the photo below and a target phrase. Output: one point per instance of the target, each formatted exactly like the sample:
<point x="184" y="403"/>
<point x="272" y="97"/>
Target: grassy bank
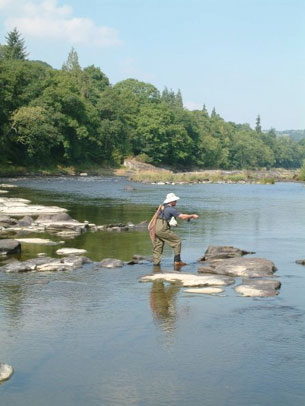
<point x="145" y="173"/>
<point x="58" y="170"/>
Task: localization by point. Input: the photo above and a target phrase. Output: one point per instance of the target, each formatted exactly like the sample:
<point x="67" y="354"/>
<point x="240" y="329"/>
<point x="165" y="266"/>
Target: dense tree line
<point x="75" y="116"/>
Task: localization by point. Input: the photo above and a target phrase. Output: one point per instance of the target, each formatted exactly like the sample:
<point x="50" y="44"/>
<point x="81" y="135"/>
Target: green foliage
<point x="301" y="175"/>
<point x="74" y="116"/>
<point x="258" y="127"/>
<point x="14" y="47"/>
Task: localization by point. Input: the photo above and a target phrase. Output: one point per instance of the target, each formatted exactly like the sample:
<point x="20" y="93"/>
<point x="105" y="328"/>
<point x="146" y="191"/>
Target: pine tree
<point x="258" y="127"/>
<point x="205" y="111"/>
<point x="14" y="47"/>
<point x="179" y="100"/>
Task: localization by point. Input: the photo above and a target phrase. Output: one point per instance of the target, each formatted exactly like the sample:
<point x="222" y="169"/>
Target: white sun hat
<point x="171" y="197"/>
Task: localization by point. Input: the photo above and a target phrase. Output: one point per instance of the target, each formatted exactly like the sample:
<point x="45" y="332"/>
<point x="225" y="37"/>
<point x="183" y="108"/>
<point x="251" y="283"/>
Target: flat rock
<point x="24" y="266"/>
<point x="242" y="267"/>
<point x="14" y="201"/>
<point x="6" y="371"/>
<point x="46" y="264"/>
<point x="258" y="288"/>
<point x="66" y="264"/>
<point x="71" y="251"/>
<point x="187" y="279"/>
<point x="111" y="263"/>
<point x="41" y="241"/>
<point x="68" y="233"/>
<point x="31" y="210"/>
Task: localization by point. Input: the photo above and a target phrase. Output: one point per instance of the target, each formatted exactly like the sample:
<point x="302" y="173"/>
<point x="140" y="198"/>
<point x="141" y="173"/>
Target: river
<point x="98" y="336"/>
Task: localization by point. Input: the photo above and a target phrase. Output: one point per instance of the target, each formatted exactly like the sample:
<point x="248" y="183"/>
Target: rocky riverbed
<point x="219" y="266"/>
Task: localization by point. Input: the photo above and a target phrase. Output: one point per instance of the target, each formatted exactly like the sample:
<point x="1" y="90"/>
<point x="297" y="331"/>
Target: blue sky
<point x="243" y="57"/>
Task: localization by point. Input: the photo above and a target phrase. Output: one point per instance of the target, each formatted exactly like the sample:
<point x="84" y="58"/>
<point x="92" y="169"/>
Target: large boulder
<point x="223" y="252"/>
<point x="241" y="267"/>
<point x="10" y="246"/>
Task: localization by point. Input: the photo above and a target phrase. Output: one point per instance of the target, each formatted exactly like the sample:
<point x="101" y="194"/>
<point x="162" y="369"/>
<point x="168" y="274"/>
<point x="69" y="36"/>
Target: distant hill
<point x="296" y="135"/>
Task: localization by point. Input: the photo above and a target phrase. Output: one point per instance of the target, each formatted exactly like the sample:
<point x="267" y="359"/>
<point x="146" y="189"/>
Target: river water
<point x="98" y="336"/>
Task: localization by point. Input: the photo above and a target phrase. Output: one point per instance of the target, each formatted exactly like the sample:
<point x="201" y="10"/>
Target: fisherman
<point x="163" y="234"/>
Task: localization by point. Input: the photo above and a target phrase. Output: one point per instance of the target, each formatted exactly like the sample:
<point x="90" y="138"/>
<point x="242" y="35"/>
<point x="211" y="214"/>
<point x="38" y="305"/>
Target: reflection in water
<point x="163" y="305"/>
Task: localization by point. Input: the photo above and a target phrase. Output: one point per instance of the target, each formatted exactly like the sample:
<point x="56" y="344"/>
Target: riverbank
<point x="8" y="171"/>
<point x="146" y="173"/>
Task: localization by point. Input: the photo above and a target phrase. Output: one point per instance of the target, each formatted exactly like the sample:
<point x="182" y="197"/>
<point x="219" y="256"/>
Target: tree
<point x="72" y="63"/>
<point x="34" y="129"/>
<point x="258" y="127"/>
<point x="144" y="92"/>
<point x="95" y="82"/>
<point x="14" y="47"/>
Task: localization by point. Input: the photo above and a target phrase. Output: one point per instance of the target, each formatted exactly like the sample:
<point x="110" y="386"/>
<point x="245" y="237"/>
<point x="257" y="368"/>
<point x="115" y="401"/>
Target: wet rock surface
<point x="71" y="251"/>
<point x="6" y="371"/>
<point x="242" y="267"/>
<point x="10" y="246"/>
<point x="188" y="279"/>
<point x="228" y="260"/>
<point x="44" y="264"/>
<point x="219" y="266"/>
<point x="222" y="252"/>
<point x="258" y="288"/>
<point x="111" y="263"/>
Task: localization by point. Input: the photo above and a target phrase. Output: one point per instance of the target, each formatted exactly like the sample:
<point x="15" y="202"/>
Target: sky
<point x="242" y="57"/>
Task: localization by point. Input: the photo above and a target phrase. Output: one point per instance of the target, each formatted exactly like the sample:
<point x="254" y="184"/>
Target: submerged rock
<point x="139" y="259"/>
<point x="6" y="371"/>
<point x="111" y="263"/>
<point x="258" y="288"/>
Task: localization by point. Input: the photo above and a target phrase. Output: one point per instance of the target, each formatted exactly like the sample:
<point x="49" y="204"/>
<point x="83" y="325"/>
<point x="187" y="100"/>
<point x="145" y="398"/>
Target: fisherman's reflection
<point x="163" y="305"/>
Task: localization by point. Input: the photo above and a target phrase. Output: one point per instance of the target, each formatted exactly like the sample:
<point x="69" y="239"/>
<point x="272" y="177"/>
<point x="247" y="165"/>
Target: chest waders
<point x="164" y="235"/>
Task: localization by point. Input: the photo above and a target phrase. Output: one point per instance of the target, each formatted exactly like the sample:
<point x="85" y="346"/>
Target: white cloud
<point x="47" y="20"/>
<point x="4" y="3"/>
<point x="192" y="106"/>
